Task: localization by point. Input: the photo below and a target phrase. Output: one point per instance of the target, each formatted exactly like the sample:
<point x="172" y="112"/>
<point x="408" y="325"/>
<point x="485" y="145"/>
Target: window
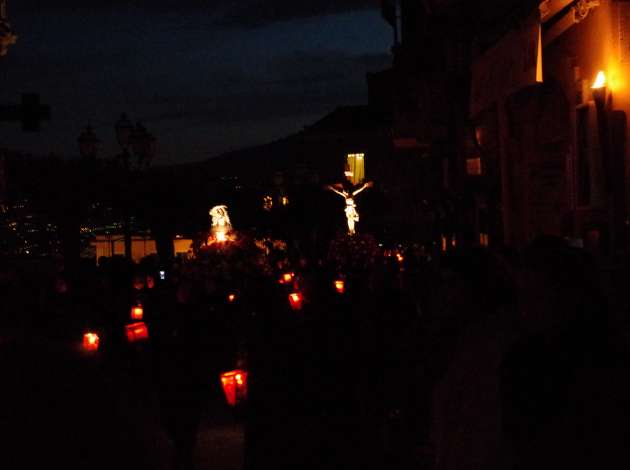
<point x="355" y="171"/>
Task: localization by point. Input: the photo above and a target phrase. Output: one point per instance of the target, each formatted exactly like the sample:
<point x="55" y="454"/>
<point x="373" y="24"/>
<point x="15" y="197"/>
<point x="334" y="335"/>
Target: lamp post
<point x="138" y="149"/>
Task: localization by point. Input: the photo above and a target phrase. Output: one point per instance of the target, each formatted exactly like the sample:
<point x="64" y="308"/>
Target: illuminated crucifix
<point x="351" y="208"/>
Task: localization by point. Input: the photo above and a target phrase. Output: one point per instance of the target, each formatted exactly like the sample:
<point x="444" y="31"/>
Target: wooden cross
<point x="31" y="112"/>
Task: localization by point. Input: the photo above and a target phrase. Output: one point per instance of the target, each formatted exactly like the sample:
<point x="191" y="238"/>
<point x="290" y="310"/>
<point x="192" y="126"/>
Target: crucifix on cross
<point x="31" y="112"/>
<point x="351" y="208"/>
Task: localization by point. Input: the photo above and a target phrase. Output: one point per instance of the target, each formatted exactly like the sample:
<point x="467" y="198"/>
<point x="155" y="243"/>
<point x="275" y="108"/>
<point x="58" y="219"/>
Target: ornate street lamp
<point x="138" y="144"/>
<point x="88" y="143"/>
<point x="143" y="144"/>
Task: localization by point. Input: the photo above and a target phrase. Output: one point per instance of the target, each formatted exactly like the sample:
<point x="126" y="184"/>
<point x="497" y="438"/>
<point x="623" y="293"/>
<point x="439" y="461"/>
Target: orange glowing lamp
<point x="137" y="313"/>
<point x="231" y="298"/>
<point x="286" y="278"/>
<point x="599" y="89"/>
<point x="137" y="332"/>
<point x="234" y="385"/>
<point x="600" y="81"/>
<point x="340" y="286"/>
<point x="90" y="341"/>
<point x="295" y="300"/>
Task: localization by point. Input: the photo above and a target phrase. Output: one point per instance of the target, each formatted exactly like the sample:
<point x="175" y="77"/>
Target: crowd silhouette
<point x="469" y="359"/>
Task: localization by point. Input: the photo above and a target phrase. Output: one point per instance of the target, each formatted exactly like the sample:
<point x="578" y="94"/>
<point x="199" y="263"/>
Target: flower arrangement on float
<point x="224" y="257"/>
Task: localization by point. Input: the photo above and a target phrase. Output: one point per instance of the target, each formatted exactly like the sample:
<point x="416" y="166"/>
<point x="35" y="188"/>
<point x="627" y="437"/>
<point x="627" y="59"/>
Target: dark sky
<point x="205" y="77"/>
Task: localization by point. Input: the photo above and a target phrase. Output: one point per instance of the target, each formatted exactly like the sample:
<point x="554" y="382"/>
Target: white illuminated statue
<point x="352" y="215"/>
<point x="220" y="222"/>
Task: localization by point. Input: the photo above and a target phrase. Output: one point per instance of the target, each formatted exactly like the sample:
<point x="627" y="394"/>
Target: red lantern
<point x="137" y="312"/>
<point x="137" y="332"/>
<point x="340" y="286"/>
<point x="295" y="300"/>
<point x="234" y="385"/>
<point x="90" y="341"/>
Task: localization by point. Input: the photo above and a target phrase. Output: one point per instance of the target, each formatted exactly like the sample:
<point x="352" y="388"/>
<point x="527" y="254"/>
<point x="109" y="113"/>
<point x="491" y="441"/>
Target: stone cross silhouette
<point x="31" y="112"/>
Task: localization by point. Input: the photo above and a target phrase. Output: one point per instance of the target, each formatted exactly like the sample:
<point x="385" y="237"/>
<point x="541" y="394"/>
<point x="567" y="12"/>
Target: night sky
<point x="204" y="76"/>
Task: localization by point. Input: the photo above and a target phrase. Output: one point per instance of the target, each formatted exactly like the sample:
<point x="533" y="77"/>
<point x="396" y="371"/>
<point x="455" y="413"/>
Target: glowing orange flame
<point x="295" y="300"/>
<point x="137" y="312"/>
<point x="286" y="278"/>
<point x="90" y="341"/>
<point x="231" y="298"/>
<point x="234" y="385"/>
<point x="136" y="332"/>
<point x="340" y="286"/>
<point x="600" y="81"/>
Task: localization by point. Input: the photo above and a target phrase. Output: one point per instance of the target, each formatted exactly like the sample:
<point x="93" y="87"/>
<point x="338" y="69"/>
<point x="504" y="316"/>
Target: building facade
<point x="548" y="110"/>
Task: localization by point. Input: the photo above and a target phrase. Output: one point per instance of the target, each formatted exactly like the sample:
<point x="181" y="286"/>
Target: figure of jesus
<point x="352" y="215"/>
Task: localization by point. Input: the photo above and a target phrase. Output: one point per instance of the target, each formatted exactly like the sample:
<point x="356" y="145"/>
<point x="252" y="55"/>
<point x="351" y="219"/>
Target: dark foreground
<point x="62" y="408"/>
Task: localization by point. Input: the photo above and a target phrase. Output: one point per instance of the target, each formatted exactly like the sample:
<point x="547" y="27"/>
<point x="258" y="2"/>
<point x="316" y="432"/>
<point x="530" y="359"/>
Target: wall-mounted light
<point x="599" y="89"/>
<point x="603" y="105"/>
